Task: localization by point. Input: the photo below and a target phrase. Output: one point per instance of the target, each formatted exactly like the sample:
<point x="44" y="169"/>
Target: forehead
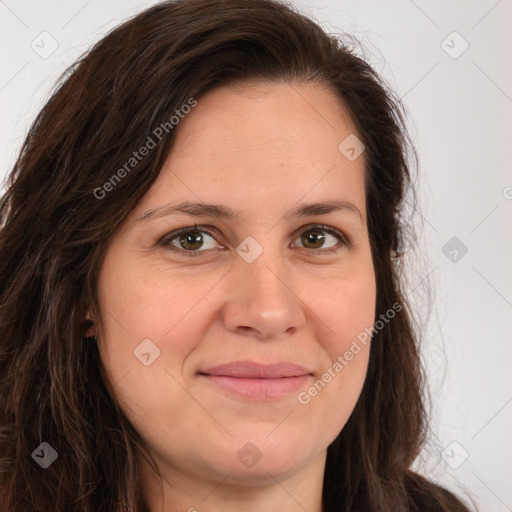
<point x="259" y="146"/>
<point x="279" y="115"/>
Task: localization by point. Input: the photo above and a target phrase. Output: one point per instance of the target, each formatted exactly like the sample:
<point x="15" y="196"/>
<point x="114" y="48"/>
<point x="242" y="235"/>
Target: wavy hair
<point x="54" y="231"/>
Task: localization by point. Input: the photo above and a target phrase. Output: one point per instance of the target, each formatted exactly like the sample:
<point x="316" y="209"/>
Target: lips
<point x="252" y="370"/>
<point x="254" y="381"/>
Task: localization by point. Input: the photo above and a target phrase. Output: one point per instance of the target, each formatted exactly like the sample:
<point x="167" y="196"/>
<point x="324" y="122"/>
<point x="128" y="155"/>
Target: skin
<point x="260" y="150"/>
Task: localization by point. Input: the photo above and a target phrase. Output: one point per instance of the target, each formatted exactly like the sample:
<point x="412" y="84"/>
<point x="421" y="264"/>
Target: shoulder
<point x="425" y="496"/>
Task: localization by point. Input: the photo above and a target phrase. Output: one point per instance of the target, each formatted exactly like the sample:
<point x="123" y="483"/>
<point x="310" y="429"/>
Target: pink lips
<point x="256" y="381"/>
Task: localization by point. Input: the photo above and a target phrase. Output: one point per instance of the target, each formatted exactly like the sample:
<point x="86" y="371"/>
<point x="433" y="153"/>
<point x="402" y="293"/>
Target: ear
<point x="92" y="330"/>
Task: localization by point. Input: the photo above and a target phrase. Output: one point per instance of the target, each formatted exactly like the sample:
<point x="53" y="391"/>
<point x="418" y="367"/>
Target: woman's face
<point x="263" y="287"/>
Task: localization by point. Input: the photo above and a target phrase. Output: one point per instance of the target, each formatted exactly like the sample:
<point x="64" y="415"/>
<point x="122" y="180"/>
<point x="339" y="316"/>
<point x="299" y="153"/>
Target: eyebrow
<point x="201" y="209"/>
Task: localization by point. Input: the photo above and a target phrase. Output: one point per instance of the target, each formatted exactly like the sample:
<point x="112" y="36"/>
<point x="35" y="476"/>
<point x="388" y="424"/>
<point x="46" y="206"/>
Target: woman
<point x="201" y="306"/>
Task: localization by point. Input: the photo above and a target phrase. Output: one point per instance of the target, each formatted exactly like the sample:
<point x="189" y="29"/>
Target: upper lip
<point x="253" y="370"/>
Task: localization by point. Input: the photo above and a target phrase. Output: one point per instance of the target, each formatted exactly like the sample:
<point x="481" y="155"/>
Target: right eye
<point x="187" y="241"/>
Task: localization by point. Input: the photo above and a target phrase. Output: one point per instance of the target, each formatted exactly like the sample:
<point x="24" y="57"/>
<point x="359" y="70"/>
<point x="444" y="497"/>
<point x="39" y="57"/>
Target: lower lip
<point x="258" y="389"/>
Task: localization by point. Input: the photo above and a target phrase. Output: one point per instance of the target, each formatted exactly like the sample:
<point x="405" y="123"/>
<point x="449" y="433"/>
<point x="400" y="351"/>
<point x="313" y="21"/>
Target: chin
<point x="256" y="458"/>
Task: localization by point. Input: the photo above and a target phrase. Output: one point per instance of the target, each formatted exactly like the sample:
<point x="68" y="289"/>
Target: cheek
<point x="148" y="302"/>
<point x="355" y="313"/>
<point x="347" y="308"/>
<point x="151" y="321"/>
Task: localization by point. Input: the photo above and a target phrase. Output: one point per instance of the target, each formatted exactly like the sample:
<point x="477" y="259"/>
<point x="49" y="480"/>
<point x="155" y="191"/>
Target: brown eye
<point x="313" y="239"/>
<point x="190" y="241"/>
<point x="193" y="241"/>
<point x="316" y="237"/>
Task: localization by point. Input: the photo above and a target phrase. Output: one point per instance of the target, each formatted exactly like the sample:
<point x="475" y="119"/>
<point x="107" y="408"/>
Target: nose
<point x="262" y="299"/>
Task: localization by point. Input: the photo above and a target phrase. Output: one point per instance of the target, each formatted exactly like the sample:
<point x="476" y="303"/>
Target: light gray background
<point x="460" y="119"/>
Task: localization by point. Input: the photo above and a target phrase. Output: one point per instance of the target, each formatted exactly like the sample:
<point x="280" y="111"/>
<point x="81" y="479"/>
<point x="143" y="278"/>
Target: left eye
<point x="192" y="238"/>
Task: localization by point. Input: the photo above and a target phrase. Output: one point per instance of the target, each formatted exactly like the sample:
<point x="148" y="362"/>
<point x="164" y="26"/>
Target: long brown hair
<point x="54" y="229"/>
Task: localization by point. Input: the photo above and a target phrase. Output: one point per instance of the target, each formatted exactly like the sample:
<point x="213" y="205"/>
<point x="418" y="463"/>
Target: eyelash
<point x="166" y="240"/>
